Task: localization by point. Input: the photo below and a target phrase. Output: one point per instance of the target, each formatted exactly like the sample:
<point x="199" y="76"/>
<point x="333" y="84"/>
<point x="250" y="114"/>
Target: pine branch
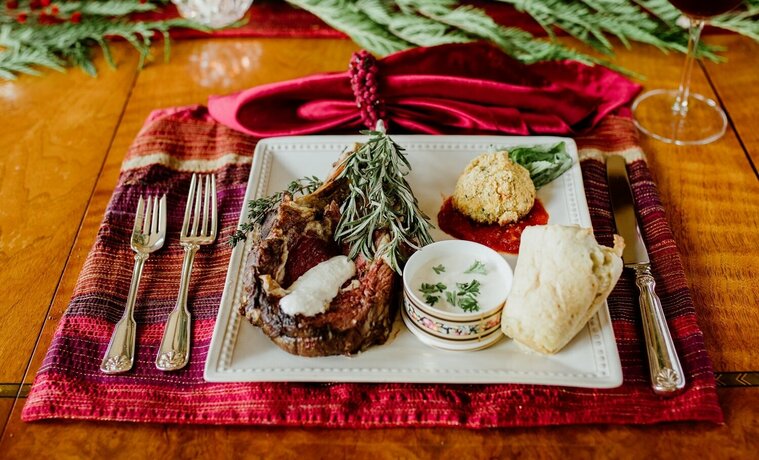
<point x="385" y="26"/>
<point x="745" y="22"/>
<point x="13" y="62"/>
<point x="51" y="46"/>
<point x="621" y="19"/>
<point x="516" y="42"/>
<point x="408" y="26"/>
<point x="345" y="17"/>
<point x="111" y="8"/>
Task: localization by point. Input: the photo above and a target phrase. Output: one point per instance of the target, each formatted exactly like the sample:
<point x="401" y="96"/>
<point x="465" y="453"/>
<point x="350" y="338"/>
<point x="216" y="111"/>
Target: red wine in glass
<point x="680" y="116"/>
<point x="704" y="8"/>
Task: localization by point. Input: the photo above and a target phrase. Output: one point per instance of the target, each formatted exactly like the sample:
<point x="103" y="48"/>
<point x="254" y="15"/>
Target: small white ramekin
<point x="453" y="330"/>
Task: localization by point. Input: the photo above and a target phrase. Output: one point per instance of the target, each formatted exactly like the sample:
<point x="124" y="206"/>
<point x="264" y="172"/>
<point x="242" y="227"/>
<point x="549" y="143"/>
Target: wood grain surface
<point x="711" y="195"/>
<point x="55" y="134"/>
<point x="738" y="439"/>
<point x="737" y="82"/>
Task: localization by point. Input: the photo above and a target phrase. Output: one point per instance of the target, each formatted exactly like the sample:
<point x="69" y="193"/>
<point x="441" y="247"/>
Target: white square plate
<point x="240" y="352"/>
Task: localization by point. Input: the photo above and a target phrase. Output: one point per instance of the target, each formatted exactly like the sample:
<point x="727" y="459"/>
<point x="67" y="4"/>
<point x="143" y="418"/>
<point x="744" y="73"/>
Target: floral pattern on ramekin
<point x="461" y="330"/>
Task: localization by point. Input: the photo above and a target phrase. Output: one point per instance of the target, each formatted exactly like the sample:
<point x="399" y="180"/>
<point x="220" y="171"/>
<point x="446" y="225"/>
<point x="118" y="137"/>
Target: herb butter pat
<point x="312" y="293"/>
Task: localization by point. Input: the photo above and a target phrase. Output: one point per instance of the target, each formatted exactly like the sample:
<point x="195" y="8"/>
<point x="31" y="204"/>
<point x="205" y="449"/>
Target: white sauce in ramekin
<point x="491" y="284"/>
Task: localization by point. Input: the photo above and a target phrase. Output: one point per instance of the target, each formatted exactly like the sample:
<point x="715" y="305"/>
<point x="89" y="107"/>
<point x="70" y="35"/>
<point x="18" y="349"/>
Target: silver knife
<point x="667" y="376"/>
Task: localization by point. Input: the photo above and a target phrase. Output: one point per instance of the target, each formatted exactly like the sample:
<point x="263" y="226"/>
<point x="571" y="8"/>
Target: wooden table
<point x="62" y="143"/>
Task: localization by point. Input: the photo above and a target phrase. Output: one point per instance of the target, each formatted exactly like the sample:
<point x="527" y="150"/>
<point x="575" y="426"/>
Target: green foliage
<point x="24" y="48"/>
<point x="386" y="26"/>
<point x="380" y="26"/>
<point x="544" y="162"/>
<point x="744" y="22"/>
<point x="344" y="16"/>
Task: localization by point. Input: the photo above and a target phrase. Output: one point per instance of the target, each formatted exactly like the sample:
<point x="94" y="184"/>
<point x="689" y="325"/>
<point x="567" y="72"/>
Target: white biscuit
<point x="562" y="278"/>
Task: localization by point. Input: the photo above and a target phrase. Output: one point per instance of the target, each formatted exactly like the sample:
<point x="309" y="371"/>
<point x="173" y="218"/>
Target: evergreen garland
<point x="37" y="34"/>
<point x="54" y="36"/>
<point x="386" y="26"/>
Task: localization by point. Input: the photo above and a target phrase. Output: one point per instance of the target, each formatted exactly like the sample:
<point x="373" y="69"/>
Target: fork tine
<point x="207" y="196"/>
<point x="154" y="221"/>
<point x="213" y="206"/>
<point x="188" y="206"/>
<point x="148" y="215"/>
<point x="196" y="214"/>
<point x="138" y="216"/>
<point x="162" y="218"/>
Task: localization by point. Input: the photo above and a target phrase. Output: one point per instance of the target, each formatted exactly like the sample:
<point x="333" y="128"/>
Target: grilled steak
<point x="294" y="238"/>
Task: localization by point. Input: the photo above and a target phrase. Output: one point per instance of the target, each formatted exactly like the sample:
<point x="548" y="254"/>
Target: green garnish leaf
<point x="471" y="288"/>
<point x="477" y="268"/>
<point x="439" y="269"/>
<point x="428" y="288"/>
<point x="431" y="299"/>
<point x="450" y="296"/>
<point x="544" y="162"/>
<point x="469" y="304"/>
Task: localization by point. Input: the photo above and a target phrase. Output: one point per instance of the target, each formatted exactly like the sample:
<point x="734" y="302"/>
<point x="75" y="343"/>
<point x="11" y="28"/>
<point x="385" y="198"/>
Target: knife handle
<point x="667" y="376"/>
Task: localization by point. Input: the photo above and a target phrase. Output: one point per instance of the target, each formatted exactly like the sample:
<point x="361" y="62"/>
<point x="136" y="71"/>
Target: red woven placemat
<point x="173" y="144"/>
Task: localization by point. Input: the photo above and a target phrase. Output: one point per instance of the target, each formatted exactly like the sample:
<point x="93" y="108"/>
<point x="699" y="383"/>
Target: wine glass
<point x="213" y="13"/>
<point x="680" y="116"/>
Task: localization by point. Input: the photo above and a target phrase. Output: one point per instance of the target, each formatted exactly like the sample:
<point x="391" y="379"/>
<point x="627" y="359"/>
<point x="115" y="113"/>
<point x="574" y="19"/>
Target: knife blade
<point x="667" y="377"/>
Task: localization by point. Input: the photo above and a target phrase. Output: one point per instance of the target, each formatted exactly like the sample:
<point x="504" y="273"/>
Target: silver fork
<point x="148" y="235"/>
<point x="174" y="352"/>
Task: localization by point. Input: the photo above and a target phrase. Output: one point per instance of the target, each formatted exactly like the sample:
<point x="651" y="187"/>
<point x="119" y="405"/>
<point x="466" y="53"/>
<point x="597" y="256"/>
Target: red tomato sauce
<point x="504" y="238"/>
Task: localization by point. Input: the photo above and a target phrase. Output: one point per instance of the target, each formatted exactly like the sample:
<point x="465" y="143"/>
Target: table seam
<point x="730" y="122"/>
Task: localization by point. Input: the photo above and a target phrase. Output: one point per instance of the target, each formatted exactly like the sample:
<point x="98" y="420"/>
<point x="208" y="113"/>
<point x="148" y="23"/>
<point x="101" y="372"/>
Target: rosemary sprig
<point x="380" y="199"/>
<point x="258" y="208"/>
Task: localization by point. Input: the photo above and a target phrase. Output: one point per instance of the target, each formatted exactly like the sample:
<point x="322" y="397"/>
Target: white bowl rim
<point x="460" y="246"/>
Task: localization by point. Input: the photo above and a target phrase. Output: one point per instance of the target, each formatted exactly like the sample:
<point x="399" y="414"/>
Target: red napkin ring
<point x="363" y="71"/>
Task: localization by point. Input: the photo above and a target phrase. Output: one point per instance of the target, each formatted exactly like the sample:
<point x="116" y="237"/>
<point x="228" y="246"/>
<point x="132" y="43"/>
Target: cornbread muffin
<point x="493" y="189"/>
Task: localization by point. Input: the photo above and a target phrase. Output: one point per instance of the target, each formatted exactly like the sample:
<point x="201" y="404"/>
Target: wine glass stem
<point x="683" y="92"/>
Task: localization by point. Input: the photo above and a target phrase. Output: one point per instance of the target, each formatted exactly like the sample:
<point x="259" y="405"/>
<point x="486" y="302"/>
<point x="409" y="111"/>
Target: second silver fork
<point x="198" y="229"/>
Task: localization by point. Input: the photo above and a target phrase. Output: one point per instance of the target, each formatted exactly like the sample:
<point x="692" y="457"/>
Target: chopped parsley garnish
<point x="470" y="288"/>
<point x="430" y="291"/>
<point x="465" y="296"/>
<point x="439" y="269"/>
<point x="469" y="304"/>
<point x="477" y="268"/>
<point x="432" y="288"/>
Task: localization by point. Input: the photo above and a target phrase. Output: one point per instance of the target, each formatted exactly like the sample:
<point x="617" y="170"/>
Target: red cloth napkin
<point x="472" y="88"/>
